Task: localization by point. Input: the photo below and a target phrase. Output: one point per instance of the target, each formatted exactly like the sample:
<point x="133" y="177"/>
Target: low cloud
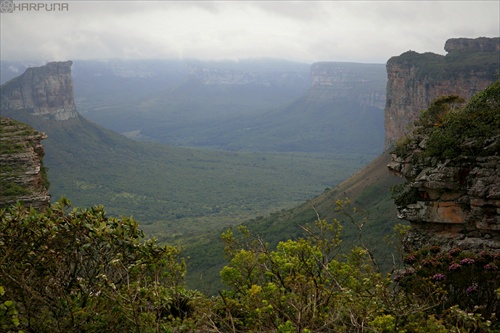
<point x="305" y="31"/>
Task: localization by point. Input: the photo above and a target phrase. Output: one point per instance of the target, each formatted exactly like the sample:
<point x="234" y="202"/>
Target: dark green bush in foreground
<point x="80" y="271"/>
<point x="76" y="270"/>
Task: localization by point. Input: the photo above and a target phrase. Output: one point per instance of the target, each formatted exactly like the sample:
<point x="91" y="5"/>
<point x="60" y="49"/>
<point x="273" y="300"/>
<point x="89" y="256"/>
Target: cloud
<point x="307" y="31"/>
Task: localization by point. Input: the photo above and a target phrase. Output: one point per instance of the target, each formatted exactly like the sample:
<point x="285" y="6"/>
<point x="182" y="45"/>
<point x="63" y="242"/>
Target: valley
<point x="207" y="154"/>
<point x="216" y="145"/>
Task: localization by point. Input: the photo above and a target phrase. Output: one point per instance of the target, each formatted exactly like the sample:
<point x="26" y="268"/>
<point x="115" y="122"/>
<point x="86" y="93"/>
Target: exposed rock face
<point x="45" y="91"/>
<point x="22" y="175"/>
<point x="219" y="75"/>
<point x="365" y="81"/>
<point x="459" y="201"/>
<point x="482" y="44"/>
<point x="453" y="201"/>
<point x="460" y="194"/>
<point x="414" y="79"/>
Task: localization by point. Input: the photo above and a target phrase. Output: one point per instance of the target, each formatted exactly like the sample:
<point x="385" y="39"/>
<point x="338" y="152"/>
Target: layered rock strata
<point x="451" y="202"/>
<point x="414" y="79"/>
<point x="365" y="81"/>
<point x="45" y="91"/>
<point x="23" y="177"/>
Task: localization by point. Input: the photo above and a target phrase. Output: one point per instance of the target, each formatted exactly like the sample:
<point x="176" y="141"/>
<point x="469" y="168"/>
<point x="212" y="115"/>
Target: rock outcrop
<point x="481" y="44"/>
<point x="414" y="80"/>
<point x="45" y="91"/>
<point x="453" y="201"/>
<point x="22" y="174"/>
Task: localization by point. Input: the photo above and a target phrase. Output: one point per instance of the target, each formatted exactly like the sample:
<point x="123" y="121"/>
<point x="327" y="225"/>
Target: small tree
<point x="303" y="285"/>
<point x="80" y="271"/>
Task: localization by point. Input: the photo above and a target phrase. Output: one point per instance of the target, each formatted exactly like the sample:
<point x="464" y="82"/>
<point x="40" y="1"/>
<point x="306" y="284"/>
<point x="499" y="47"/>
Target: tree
<point x="80" y="271"/>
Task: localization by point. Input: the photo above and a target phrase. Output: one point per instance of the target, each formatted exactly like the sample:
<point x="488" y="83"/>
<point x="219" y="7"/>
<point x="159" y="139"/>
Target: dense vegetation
<point x="452" y="129"/>
<point x="183" y="196"/>
<point x="77" y="270"/>
<point x="468" y="131"/>
<point x="434" y="66"/>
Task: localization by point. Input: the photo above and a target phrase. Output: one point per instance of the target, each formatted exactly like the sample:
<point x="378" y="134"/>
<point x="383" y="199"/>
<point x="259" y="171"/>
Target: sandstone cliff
<point x="451" y="163"/>
<point x="22" y="174"/>
<point x="208" y="75"/>
<point x="364" y="81"/>
<point x="414" y="79"/>
<point x="45" y="91"/>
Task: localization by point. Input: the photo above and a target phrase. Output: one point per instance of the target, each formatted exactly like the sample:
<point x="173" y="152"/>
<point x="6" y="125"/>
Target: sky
<point x="302" y="31"/>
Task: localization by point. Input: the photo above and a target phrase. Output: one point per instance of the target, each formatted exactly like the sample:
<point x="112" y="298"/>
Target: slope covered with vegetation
<point x="79" y="270"/>
<point x="178" y="193"/>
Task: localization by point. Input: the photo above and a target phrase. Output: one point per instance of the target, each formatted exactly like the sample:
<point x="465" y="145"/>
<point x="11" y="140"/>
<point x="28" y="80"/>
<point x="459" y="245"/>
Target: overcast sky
<point x="304" y="31"/>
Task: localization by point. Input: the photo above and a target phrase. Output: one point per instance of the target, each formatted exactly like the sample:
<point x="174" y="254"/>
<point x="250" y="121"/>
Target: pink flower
<point x="438" y="277"/>
<point x="467" y="261"/>
<point x="410" y="259"/>
<point x="471" y="289"/>
<point x="490" y="267"/>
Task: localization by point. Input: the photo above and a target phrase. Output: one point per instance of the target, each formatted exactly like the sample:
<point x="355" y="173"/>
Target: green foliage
<point x="9" y="320"/>
<point x="304" y="285"/>
<point x="76" y="270"/>
<point x="80" y="271"/>
<point x="456" y="278"/>
<point x="466" y="131"/>
<point x="404" y="195"/>
<point x="309" y="285"/>
<point x="434" y="115"/>
<point x="451" y="130"/>
<point x="431" y="66"/>
<point x="12" y="189"/>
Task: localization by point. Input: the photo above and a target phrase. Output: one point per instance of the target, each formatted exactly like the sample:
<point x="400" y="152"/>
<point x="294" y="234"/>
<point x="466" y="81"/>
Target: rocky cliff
<point x="365" y="81"/>
<point x="22" y="174"/>
<point x="208" y="75"/>
<point x="45" y="91"/>
<point x="451" y="163"/>
<point x="414" y="79"/>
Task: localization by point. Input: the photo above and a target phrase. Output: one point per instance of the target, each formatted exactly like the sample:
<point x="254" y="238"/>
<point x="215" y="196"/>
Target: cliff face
<point x="220" y="75"/>
<point x="22" y="174"/>
<point x="414" y="79"/>
<point x="365" y="81"/>
<point x="454" y="197"/>
<point x="45" y="91"/>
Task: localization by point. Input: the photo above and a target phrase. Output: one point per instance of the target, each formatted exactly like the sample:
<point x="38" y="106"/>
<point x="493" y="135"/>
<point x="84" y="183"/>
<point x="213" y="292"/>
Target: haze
<point x="304" y="31"/>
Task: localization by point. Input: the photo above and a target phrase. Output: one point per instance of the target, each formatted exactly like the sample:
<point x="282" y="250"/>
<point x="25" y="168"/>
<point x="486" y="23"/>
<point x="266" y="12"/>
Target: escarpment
<point x="451" y="163"/>
<point x="365" y="82"/>
<point x="414" y="79"/>
<point x="23" y="177"/>
<point x="45" y="91"/>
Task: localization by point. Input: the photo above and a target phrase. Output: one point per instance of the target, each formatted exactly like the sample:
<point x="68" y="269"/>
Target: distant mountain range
<point x="175" y="192"/>
<point x="253" y="105"/>
<point x="303" y="117"/>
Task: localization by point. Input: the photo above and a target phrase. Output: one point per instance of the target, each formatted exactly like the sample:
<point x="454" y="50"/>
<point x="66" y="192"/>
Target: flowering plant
<point x="457" y="278"/>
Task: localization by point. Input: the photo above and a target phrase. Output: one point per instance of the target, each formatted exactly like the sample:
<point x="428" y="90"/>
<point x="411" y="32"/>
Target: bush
<point x="80" y="271"/>
<point x="458" y="282"/>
